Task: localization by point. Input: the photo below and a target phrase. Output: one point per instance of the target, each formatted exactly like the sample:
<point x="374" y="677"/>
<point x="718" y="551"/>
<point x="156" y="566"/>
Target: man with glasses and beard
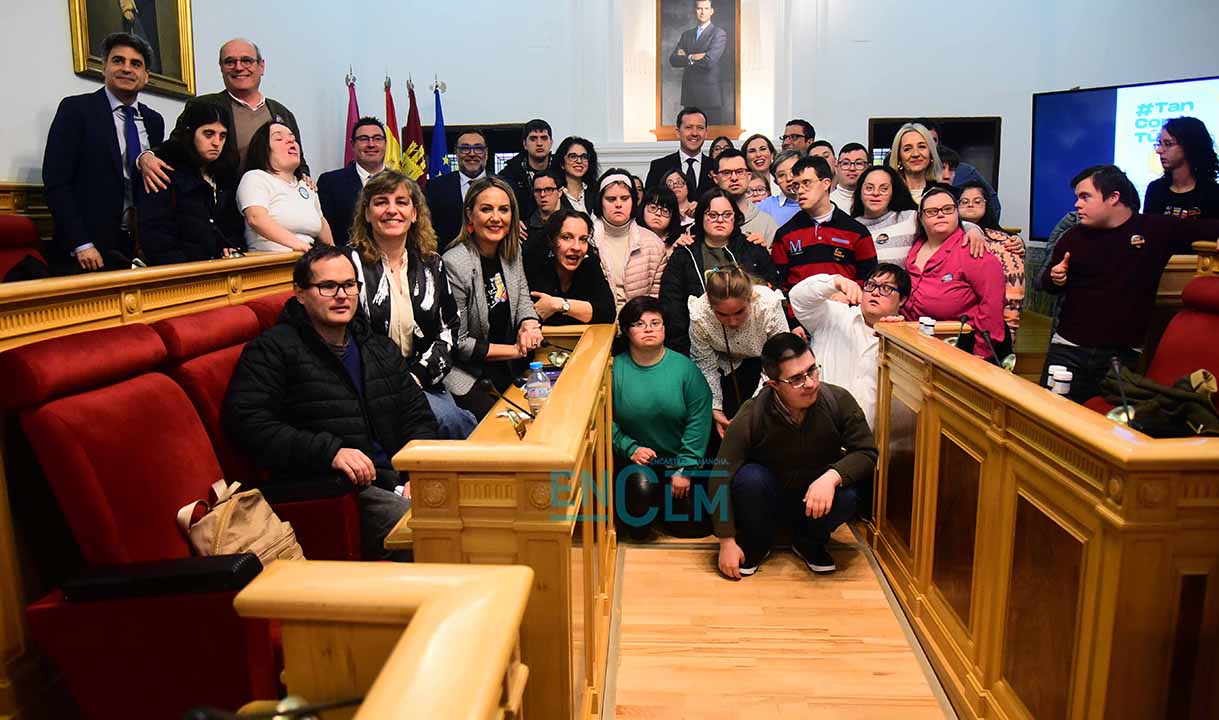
<point x="842" y="332"/>
<point x="321" y="401"/>
<point x="339" y="189"/>
<point x="447" y="193"/>
<point x="798" y="454"/>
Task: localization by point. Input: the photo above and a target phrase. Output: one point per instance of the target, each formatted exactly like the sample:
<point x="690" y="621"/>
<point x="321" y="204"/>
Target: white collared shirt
<point x="843" y="343"/>
<point x="698" y="167"/>
<point x="364" y="174"/>
<point x="466" y="182"/>
<point x="262" y="100"/>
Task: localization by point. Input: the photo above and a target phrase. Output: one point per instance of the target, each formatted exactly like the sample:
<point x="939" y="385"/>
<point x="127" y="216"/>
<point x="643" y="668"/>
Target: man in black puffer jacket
<point x="319" y="398"/>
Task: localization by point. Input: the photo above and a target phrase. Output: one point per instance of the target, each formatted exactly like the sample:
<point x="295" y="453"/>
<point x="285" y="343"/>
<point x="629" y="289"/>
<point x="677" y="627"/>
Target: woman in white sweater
<point x="728" y="326"/>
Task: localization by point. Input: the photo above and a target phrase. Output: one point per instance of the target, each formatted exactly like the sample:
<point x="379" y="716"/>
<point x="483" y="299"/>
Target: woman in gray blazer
<point x="499" y="327"/>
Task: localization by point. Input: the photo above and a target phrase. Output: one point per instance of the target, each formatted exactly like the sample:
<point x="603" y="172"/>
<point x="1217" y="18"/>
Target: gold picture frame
<point x="671" y="19"/>
<point x="166" y="24"/>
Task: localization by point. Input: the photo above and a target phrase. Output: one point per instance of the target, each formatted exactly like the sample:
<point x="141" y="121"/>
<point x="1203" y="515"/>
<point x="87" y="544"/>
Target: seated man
<point x="320" y="398"/>
<point x="842" y="332"/>
<point x="798" y="454"/>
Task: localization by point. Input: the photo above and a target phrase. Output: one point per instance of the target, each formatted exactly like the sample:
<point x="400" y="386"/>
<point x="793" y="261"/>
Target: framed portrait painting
<point x="698" y="57"/>
<point x="165" y="24"/>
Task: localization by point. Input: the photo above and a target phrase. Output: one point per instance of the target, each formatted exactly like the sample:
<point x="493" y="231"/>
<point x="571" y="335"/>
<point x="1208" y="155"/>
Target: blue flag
<point x="436" y="164"/>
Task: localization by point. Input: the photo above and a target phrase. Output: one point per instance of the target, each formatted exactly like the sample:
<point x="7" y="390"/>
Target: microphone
<point x="487" y="386"/>
<point x="1125" y="414"/>
<point x="994" y="359"/>
<point x="956" y="342"/>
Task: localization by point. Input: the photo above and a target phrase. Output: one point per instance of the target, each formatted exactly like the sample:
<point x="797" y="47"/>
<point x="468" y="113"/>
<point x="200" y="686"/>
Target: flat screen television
<point x="1073" y="129"/>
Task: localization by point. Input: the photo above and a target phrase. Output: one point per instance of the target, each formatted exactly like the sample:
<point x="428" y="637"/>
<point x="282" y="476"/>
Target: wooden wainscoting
<point x="1053" y="563"/>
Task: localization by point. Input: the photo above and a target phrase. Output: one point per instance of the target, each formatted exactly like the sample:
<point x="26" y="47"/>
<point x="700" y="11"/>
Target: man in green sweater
<point x="799" y="453"/>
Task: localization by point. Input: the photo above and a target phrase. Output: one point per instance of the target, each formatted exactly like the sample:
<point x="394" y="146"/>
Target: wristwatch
<point x="566" y="306"/>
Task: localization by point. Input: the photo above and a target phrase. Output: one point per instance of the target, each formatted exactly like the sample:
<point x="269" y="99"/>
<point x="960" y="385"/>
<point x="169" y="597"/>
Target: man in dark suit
<point x="698" y="52"/>
<point x="89" y="163"/>
<point x="339" y="189"/>
<point x="689" y="159"/>
<point x="244" y="106"/>
<point x="447" y="194"/>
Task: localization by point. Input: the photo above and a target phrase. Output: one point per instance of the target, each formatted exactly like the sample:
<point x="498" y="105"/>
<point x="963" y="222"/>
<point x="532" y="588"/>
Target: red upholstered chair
<point x="148" y="631"/>
<point x="203" y="349"/>
<point x="18" y="238"/>
<point x="1188" y="343"/>
<point x="268" y="307"/>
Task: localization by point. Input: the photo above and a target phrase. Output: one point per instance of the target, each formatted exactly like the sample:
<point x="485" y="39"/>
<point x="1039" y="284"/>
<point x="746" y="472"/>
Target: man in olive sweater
<point x="799" y="453"/>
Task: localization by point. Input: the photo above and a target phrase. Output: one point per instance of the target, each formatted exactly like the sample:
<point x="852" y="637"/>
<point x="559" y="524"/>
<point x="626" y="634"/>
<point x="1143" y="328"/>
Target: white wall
<point x="893" y="58"/>
<point x="588" y="65"/>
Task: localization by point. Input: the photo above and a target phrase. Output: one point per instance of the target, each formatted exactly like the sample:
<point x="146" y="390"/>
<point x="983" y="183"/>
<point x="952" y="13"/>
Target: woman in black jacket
<point x="718" y="242"/>
<point x="567" y="284"/>
<point x="405" y="291"/>
<point x="196" y="217"/>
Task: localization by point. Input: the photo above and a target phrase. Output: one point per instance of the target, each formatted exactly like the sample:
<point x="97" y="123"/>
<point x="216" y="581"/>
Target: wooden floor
<point x="780" y="644"/>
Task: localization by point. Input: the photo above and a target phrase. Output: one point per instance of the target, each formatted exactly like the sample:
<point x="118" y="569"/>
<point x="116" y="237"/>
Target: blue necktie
<point x="132" y="136"/>
<point x="698" y="33"/>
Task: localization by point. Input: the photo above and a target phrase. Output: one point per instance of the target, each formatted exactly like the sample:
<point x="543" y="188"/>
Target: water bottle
<point x="537" y="388"/>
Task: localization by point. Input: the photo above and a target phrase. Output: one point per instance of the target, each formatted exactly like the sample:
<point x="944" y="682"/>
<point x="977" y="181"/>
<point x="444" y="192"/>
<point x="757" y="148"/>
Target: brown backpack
<point x="238" y="522"/>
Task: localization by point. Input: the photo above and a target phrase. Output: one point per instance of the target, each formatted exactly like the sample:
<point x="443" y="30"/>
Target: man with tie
<point x="698" y="53"/>
<point x="89" y="163"/>
<point x="447" y="193"/>
<point x="339" y="189"/>
<point x="689" y="159"/>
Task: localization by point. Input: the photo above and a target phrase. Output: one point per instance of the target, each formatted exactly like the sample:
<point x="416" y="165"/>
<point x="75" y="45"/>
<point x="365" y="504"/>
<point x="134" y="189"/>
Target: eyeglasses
<point x="653" y="325"/>
<point x="861" y="164"/>
<point x="938" y="211"/>
<point x="244" y="61"/>
<point x="370" y="139"/>
<point x="758" y="192"/>
<point x="472" y="149"/>
<point x="675" y="183"/>
<point x="659" y="211"/>
<point x="799" y="381"/>
<point x="331" y="289"/>
<point x="545" y="191"/>
<point x="1162" y="144"/>
<point x="878" y="288"/>
<point x="808" y="184"/>
<point x="791" y="136"/>
<point x="576" y="157"/>
<point x="742" y="172"/>
<point x="718" y="216"/>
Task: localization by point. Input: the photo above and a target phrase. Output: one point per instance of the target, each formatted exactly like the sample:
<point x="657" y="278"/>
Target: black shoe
<point x="749" y="568"/>
<point x="815" y="556"/>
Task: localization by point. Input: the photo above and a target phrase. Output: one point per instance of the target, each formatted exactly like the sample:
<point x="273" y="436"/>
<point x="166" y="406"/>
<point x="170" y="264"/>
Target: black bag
<point x="1187" y="409"/>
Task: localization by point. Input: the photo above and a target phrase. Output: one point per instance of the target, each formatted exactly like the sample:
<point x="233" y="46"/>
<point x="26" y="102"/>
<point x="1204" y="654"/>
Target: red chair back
<point x="18" y="238"/>
<point x="268" y="307"/>
<point x="1188" y="343"/>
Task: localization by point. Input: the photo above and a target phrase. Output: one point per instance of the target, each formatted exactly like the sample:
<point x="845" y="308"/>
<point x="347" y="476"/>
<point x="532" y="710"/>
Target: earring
<point x="470" y="228"/>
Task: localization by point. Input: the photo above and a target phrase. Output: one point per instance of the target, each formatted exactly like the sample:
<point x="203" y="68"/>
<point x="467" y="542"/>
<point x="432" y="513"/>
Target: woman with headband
<point x="632" y="257"/>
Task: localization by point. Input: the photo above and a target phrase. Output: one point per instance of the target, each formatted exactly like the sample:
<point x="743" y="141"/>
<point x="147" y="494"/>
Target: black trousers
<point x="1088" y="366"/>
<point x="643" y="497"/>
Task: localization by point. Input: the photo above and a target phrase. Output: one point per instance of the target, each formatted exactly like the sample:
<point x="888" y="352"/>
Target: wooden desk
<point x="1053" y="563"/>
<point x="544" y="502"/>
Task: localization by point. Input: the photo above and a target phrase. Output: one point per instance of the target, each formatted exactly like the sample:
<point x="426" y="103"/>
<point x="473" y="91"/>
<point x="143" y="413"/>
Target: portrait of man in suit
<point x="157" y="22"/>
<point x="701" y="60"/>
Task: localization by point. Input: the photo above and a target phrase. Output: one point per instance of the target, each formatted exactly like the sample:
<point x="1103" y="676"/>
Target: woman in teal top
<point x="662" y="420"/>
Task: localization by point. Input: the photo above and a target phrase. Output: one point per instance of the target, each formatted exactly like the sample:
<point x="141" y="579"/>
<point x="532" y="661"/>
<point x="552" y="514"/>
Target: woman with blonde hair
<point x="404" y="290"/>
<point x="915" y="157"/>
<point x="728" y="327"/>
<point x="498" y="326"/>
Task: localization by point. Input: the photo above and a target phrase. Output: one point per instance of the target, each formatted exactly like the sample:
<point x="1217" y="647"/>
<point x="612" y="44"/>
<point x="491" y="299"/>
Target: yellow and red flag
<point x="393" y="148"/>
<point x="414" y="157"/>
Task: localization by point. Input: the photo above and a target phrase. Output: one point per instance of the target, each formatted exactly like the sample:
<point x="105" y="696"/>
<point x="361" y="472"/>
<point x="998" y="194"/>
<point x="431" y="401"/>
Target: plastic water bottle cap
<point x="535" y="365"/>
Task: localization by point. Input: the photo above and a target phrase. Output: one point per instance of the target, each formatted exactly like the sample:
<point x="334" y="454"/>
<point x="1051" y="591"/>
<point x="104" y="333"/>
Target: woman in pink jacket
<point x="632" y="256"/>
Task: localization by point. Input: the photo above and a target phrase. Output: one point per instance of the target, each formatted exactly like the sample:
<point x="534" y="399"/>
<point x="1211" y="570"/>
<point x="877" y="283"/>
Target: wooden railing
<point x="38" y="309"/>
<point x="416" y="641"/>
<point x="1053" y="563"/>
<point x="544" y="501"/>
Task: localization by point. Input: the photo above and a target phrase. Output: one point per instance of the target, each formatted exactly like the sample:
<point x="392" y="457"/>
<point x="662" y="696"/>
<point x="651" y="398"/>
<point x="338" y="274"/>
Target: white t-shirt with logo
<point x="293" y="205"/>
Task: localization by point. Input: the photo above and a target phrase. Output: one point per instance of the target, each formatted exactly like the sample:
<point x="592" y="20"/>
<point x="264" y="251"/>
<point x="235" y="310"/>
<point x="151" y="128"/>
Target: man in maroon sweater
<point x="1107" y="269"/>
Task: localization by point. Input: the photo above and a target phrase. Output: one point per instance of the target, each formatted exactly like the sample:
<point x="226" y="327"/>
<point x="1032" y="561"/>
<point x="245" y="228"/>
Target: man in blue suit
<point x="446" y="195"/>
<point x="699" y="51"/>
<point x="89" y="162"/>
<point x="339" y="189"/>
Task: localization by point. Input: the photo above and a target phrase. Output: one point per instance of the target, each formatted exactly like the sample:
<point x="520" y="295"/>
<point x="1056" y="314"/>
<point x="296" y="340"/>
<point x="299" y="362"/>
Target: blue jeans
<point x="760" y="504"/>
<point x="452" y="422"/>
